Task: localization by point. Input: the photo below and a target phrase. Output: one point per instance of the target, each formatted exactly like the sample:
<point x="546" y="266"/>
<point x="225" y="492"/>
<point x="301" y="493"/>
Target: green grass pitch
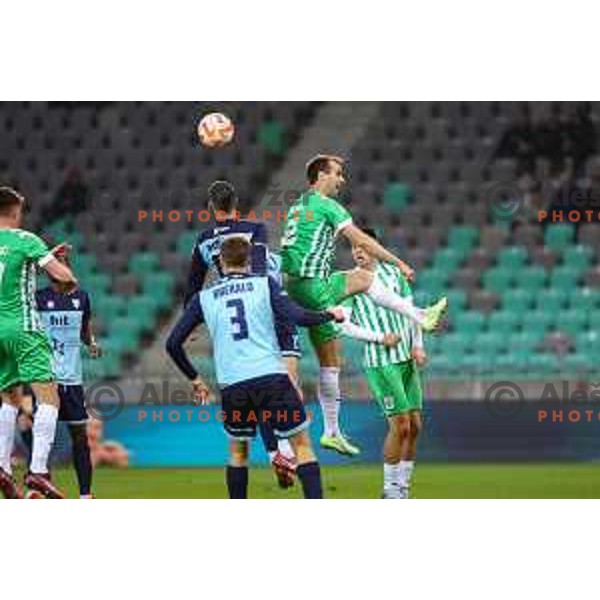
<point x="556" y="480"/>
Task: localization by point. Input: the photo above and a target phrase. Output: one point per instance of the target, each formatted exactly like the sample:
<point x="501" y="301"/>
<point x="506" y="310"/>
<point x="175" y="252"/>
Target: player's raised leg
<point x="363" y="281"/>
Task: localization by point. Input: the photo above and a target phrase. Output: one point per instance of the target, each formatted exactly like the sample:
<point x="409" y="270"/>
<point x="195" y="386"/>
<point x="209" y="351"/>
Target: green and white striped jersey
<point x="368" y="315"/>
<point x="308" y="244"/>
<point x="20" y="252"/>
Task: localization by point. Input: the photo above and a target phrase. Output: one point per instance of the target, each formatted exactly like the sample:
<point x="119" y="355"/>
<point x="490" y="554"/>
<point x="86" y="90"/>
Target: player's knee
<point x="400" y="426"/>
<point x="416" y="426"/>
<point x="359" y="280"/>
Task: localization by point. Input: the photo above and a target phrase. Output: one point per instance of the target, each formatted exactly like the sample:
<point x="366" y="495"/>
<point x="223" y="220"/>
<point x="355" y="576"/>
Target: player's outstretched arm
<point x="363" y="334"/>
<point x="285" y="309"/>
<point x="59" y="272"/>
<point x="357" y="237"/>
<point x="191" y="318"/>
<point x="196" y="277"/>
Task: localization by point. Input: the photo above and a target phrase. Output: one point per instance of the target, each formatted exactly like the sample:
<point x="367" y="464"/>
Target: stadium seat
<point x="498" y="279"/>
<point x="397" y="196"/>
<point x="573" y="321"/>
<point x="504" y="321"/>
<point x="512" y="257"/>
<point x="469" y="322"/>
<point x="531" y="278"/>
<point x="517" y="300"/>
<point x="559" y="236"/>
<point x="463" y="238"/>
<point x="143" y="263"/>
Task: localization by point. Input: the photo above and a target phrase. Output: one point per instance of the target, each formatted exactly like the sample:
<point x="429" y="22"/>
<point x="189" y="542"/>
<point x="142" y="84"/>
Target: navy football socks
<point x="237" y="482"/>
<point x="310" y="477"/>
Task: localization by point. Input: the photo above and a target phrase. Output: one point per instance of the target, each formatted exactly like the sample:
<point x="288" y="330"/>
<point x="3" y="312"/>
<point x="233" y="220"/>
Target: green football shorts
<point x="319" y="294"/>
<point x="396" y="388"/>
<point x="25" y="357"/>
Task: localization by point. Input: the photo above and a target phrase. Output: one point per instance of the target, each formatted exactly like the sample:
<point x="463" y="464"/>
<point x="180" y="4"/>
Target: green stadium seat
<point x="448" y="259"/>
<point x="497" y="279"/>
<point x="577" y="363"/>
<point x="537" y="322"/>
<point x="588" y="343"/>
<point x="531" y="278"/>
<point x="540" y="364"/>
<point x="490" y="343"/>
<point x="566" y="277"/>
<point x="83" y="264"/>
<point x="580" y="256"/>
<point x="97" y="284"/>
<point x="186" y="242"/>
<point x="110" y="307"/>
<point x="517" y="300"/>
<point x="571" y="321"/>
<point x="124" y="339"/>
<point x="463" y="238"/>
<point x="433" y="281"/>
<point x="594" y="320"/>
<point x="513" y="257"/>
<point x="271" y="136"/>
<point x="586" y="299"/>
<point x="469" y="322"/>
<point x="397" y="196"/>
<point x="551" y="299"/>
<point x="505" y="321"/>
<point x="559" y="236"/>
<point x="524" y="340"/>
<point x="144" y="263"/>
<point x="454" y="344"/>
<point x="457" y="299"/>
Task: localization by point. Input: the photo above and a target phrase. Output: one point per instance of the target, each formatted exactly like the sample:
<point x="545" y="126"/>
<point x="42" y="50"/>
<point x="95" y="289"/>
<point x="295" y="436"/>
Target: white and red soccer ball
<point x="215" y="130"/>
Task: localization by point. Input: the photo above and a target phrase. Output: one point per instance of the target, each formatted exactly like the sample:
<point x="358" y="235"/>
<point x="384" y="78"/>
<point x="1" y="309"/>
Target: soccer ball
<point x="215" y="130"/>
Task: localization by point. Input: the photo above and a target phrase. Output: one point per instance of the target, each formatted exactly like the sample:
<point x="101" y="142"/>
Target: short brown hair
<point x="319" y="164"/>
<point x="9" y="198"/>
<point x="222" y="195"/>
<point x="235" y="252"/>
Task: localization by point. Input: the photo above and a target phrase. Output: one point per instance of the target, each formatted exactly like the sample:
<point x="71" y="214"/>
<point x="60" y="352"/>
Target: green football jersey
<point x="369" y="315"/>
<point x="308" y="244"/>
<point x="20" y="251"/>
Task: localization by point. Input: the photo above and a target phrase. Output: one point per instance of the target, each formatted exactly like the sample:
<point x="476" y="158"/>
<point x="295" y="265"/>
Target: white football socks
<point x="44" y="430"/>
<point x="329" y="397"/>
<point x="391" y="486"/>
<point x="397" y="479"/>
<point x="406" y="468"/>
<point x="8" y="424"/>
<point x="388" y="299"/>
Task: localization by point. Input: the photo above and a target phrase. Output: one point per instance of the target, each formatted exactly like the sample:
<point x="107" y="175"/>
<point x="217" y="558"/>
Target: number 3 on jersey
<point x="238" y="320"/>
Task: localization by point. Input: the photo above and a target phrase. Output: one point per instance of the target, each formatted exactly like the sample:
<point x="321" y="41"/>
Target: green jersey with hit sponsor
<point x="308" y="244"/>
<point x="20" y="252"/>
<point x="369" y="315"/>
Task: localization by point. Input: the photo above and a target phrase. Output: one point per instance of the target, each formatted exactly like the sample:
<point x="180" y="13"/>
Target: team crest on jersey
<point x="3" y="250"/>
<point x="76" y="303"/>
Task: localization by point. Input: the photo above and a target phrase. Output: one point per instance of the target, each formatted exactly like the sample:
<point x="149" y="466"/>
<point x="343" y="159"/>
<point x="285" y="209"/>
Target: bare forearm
<point x="373" y="247"/>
